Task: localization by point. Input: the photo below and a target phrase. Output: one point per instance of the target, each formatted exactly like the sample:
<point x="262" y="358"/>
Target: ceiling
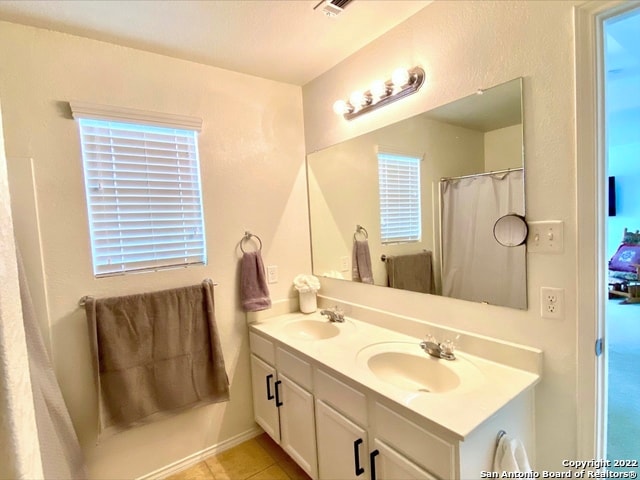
<point x="283" y="40"/>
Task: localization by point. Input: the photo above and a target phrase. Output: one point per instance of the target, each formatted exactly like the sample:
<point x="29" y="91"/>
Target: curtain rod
<point x="495" y="172"/>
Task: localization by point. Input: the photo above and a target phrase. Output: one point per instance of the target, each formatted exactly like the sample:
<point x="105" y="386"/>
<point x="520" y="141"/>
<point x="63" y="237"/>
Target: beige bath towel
<point x="411" y="272"/>
<point x="155" y="353"/>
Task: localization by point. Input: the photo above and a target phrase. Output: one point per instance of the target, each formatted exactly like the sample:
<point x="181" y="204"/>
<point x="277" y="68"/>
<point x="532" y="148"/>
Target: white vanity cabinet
<point x="343" y="449"/>
<point x="283" y="404"/>
<point x="341" y="429"/>
<point x="337" y="427"/>
<point x="389" y="464"/>
<point x="345" y="431"/>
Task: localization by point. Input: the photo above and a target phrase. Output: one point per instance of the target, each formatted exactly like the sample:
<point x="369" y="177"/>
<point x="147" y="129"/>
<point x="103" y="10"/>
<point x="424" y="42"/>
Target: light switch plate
<point x="546" y="237"/>
<point x="344" y="263"/>
<point x="272" y="274"/>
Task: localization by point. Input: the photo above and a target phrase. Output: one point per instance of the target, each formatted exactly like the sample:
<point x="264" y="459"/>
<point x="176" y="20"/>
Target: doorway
<point x="621" y="42"/>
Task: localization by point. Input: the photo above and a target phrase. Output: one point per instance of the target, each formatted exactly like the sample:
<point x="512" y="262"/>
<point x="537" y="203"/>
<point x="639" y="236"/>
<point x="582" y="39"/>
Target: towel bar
<point x="83" y="300"/>
<point x="247" y="236"/>
<point x="360" y="229"/>
<point x="383" y="257"/>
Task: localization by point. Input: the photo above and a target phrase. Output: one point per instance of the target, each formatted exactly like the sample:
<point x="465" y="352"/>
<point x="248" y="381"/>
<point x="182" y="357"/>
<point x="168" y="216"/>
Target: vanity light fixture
<point x="403" y="82"/>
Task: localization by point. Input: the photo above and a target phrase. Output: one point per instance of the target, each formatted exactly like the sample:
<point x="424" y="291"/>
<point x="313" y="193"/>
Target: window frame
<point x="393" y="159"/>
<point x="167" y="180"/>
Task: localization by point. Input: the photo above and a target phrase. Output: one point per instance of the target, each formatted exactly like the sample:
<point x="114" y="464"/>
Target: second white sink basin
<point x="410" y="372"/>
<point x="404" y="365"/>
<point x="315" y="328"/>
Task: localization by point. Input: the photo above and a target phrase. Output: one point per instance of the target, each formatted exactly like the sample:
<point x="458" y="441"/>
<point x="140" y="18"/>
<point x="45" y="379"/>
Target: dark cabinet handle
<point x="356" y="457"/>
<point x="372" y="459"/>
<point x="269" y="394"/>
<point x="278" y="402"/>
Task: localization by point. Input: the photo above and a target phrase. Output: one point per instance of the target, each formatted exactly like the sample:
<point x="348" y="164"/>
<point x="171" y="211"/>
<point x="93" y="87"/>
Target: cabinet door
<point x="297" y="424"/>
<point x="391" y="465"/>
<point x="342" y="446"/>
<point x="263" y="378"/>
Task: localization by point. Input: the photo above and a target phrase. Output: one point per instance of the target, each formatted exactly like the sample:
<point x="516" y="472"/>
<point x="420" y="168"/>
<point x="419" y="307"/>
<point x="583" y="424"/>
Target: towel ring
<point x="247" y="237"/>
<point x="360" y="229"/>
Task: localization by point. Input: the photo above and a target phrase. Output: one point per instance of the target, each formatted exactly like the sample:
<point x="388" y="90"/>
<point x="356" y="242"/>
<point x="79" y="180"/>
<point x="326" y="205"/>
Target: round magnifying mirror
<point x="510" y="230"/>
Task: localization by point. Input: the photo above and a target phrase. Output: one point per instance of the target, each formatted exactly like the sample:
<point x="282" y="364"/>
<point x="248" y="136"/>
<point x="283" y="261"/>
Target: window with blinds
<point x="399" y="189"/>
<point x="143" y="196"/>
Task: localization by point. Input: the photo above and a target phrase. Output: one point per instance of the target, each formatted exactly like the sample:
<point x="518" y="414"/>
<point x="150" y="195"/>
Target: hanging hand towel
<point x="154" y="354"/>
<point x="510" y="456"/>
<point x="361" y="262"/>
<point x="253" y="284"/>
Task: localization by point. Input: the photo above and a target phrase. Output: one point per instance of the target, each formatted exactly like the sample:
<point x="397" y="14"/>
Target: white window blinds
<point x="399" y="188"/>
<point x="143" y="196"/>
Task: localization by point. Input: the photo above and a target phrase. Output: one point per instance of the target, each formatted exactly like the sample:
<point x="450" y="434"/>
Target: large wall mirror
<point x="413" y="205"/>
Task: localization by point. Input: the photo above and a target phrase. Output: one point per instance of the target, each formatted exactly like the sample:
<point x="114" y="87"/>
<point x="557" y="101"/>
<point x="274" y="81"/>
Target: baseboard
<point x="197" y="457"/>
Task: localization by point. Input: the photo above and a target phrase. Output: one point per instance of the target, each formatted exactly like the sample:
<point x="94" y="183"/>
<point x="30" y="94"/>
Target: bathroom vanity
<point x="355" y="400"/>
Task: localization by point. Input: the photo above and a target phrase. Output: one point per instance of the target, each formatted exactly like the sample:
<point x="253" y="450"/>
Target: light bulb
<point x="340" y="107"/>
<point x="400" y="77"/>
<point x="379" y="89"/>
<point x="357" y="99"/>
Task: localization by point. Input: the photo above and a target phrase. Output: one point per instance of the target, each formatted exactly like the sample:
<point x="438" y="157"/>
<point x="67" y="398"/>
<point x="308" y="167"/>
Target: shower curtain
<point x="475" y="266"/>
<point x="48" y="449"/>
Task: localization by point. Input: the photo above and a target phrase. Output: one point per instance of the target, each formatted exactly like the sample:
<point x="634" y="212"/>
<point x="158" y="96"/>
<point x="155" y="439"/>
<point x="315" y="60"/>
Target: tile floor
<point x="257" y="459"/>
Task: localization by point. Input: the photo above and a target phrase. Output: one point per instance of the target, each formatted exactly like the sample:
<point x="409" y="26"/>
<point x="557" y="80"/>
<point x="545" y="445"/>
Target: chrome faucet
<point x="437" y="349"/>
<point x="334" y="314"/>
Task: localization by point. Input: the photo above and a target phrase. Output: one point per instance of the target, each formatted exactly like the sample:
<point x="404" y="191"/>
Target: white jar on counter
<point x="308" y="301"/>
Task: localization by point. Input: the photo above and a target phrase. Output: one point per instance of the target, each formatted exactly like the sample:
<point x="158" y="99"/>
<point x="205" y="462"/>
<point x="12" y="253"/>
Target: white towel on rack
<point x="510" y="456"/>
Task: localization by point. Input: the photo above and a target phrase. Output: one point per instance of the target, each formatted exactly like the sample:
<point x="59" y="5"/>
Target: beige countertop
<point x="486" y="386"/>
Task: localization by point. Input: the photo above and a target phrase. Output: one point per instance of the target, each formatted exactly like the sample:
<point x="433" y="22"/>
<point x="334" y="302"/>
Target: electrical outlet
<point x="344" y="264"/>
<point x="551" y="302"/>
<point x="272" y="274"/>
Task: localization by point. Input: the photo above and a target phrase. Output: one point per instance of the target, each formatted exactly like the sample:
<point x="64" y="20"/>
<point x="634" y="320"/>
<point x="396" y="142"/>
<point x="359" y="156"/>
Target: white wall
<point x="622" y="157"/>
<point x="503" y="148"/>
<point x="463" y="46"/>
<point x="252" y="164"/>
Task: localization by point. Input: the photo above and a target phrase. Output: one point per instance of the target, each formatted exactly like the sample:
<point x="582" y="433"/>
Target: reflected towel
<point x="361" y="262"/>
<point x="510" y="456"/>
<point x="155" y="353"/>
<point x="253" y="283"/>
<point x="412" y="272"/>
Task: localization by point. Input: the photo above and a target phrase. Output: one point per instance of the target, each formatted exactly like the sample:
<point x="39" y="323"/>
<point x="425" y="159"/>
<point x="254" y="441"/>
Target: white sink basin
<point x="409" y="372"/>
<point x="406" y="366"/>
<point x="315" y="328"/>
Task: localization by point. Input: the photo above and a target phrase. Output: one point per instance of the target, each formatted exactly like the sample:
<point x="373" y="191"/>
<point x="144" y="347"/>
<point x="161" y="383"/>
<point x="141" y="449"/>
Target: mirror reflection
<point x="413" y="205"/>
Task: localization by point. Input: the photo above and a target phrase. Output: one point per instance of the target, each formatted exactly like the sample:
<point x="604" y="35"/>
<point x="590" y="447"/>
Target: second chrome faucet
<point x="439" y="350"/>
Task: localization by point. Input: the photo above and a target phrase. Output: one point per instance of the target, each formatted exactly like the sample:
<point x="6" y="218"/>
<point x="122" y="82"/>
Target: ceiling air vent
<point x="332" y="8"/>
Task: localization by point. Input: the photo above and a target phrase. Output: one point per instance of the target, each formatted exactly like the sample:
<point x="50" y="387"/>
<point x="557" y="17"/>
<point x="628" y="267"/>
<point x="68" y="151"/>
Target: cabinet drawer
<point x="295" y="368"/>
<point x="342" y="397"/>
<point x="262" y="347"/>
<point x="424" y="448"/>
